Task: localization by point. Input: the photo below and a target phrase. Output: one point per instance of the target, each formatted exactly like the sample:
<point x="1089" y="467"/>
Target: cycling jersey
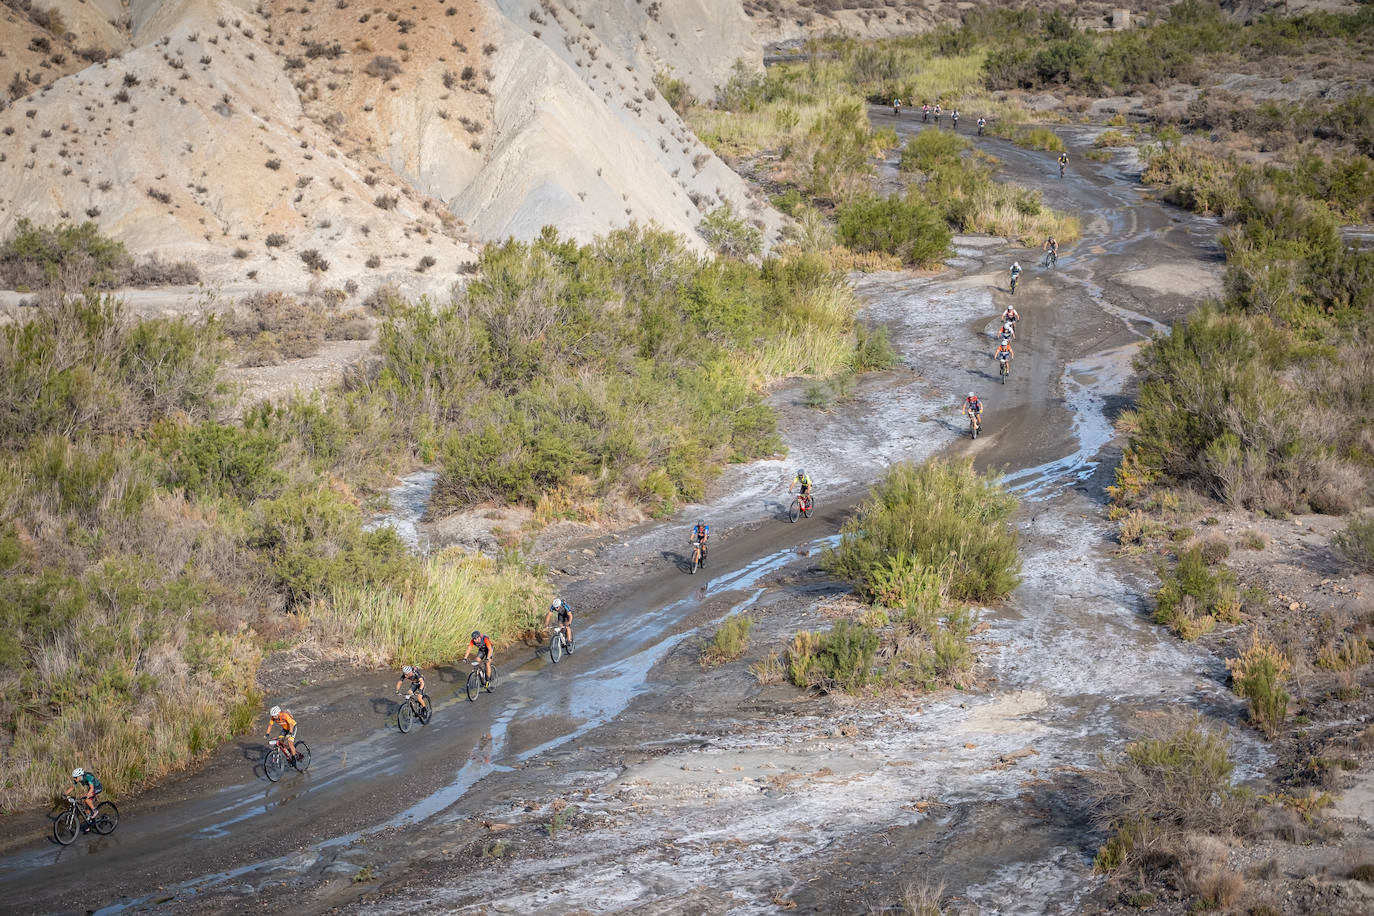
<point x="482" y="644"/>
<point x="974" y="405"/>
<point x="415" y="678"/>
<point x="701" y="532"/>
<point x="564" y="612"/>
<point x="285" y="720"/>
<point x="1003" y="351"/>
<point x="89" y="782"/>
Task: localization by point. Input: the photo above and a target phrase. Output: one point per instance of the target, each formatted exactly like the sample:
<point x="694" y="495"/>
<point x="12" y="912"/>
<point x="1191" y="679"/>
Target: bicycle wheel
<point x="426" y="711"/>
<point x="794" y="510"/>
<point x="696" y="561"/>
<point x="273" y="762"/>
<point x="302" y="761"/>
<point x="568" y="646"/>
<point x="810" y="507"/>
<point x="65" y="828"/>
<point x="405" y="716"/>
<point x="1005" y="370"/>
<point x="973" y="429"/>
<point x="556" y="646"/>
<point x="490" y="682"/>
<point x="106" y="818"/>
<point x="474" y="685"/>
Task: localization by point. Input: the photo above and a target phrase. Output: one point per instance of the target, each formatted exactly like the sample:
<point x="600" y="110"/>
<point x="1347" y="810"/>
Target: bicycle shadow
<point x="447" y="674"/>
<point x="683" y="564"/>
<point x="385" y="706"/>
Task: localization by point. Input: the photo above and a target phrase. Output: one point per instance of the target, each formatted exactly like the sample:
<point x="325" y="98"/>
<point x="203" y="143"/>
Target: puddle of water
<point x="409" y="502"/>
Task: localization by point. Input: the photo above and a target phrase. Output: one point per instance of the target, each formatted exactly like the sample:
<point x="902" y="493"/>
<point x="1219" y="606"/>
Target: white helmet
<point x="78" y="773"/>
<point x="1016" y="265"/>
<point x="972" y="395"/>
<point x="557" y="603"/>
<point x="276" y="711"/>
<point x="406" y="669"/>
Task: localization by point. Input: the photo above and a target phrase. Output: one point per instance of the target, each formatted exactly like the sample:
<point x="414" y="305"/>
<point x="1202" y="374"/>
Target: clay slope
<point x="386" y="137"/>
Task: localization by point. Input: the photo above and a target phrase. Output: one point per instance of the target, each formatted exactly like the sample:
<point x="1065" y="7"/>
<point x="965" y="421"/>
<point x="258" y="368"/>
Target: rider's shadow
<point x="448" y="674"/>
<point x="678" y="560"/>
<point x="385" y="706"/>
<point x="251" y="752"/>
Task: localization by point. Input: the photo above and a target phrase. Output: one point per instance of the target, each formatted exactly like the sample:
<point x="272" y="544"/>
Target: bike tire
<point x="302" y="761"/>
<point x="556" y="647"/>
<point x="696" y="561"/>
<point x="568" y="646"/>
<point x="106" y="818"/>
<point x="794" y="510"/>
<point x="474" y="686"/>
<point x="405" y="717"/>
<point x="490" y="682"/>
<point x="273" y="762"/>
<point x="810" y="507"/>
<point x="1005" y="371"/>
<point x="66" y="827"/>
<point x="426" y="710"/>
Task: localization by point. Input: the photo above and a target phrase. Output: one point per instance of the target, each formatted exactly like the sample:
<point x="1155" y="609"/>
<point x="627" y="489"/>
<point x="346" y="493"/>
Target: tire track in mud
<point x="829" y="805"/>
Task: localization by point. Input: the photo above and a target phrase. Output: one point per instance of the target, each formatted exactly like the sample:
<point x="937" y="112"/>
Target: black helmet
<point x="476" y="635"/>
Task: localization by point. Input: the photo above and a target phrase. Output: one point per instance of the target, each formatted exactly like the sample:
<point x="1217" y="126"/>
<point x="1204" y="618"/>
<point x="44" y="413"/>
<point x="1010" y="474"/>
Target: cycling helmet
<point x="276" y="711"/>
<point x="972" y="395"/>
<point x="476" y="634"/>
<point x="406" y="669"/>
<point x="78" y="773"/>
<point x="801" y="472"/>
<point x="557" y="603"/>
<point x="1016" y="264"/>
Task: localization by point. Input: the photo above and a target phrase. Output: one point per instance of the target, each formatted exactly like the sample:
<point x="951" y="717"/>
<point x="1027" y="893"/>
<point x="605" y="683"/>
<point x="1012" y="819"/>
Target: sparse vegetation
<point x="1194" y="595"/>
<point x="729" y="642"/>
<point x="1258" y="674"/>
<point x="383" y="67"/>
<point x="1356" y="542"/>
<point x="78" y="257"/>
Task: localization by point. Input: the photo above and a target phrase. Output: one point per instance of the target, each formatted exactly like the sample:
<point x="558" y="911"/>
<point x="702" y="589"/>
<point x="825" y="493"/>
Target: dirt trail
<point x="707" y="792"/>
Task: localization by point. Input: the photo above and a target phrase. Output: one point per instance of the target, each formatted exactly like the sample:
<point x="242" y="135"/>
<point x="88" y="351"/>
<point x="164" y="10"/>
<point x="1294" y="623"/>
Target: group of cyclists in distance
<point x="938" y="111"/>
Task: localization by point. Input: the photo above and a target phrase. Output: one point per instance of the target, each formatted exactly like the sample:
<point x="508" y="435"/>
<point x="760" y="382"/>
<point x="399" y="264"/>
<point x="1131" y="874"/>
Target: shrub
<point x="40" y="256"/>
<point x="275" y="240"/>
<point x="1356" y="542"/>
<point x="383" y="66"/>
<point x="841" y="659"/>
<point x="729" y="236"/>
<point x="909" y="228"/>
<point x="1193" y="595"/>
<point x="1258" y="675"/>
<point x="157" y="272"/>
<point x="314" y="260"/>
<point x="873" y="349"/>
<point x="729" y="642"/>
<point x="939" y="515"/>
<point x="675" y="92"/>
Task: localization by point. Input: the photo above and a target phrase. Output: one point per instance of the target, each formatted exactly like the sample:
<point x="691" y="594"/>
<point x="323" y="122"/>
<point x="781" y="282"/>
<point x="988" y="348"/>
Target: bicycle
<point x="801" y="507"/>
<point x="71" y="822"/>
<point x="559" y="643"/>
<point x="279" y="755"/>
<point x="1004" y="369"/>
<point x="698" y="556"/>
<point x="413" y="710"/>
<point x="974" y="425"/>
<point x="478" y="680"/>
<point x="1014" y="278"/>
<point x="1051" y="258"/>
<point x="954" y="119"/>
<point x="1061" y="169"/>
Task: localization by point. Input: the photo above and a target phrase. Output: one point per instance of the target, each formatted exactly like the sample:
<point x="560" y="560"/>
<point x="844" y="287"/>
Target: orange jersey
<point x="285" y="720"/>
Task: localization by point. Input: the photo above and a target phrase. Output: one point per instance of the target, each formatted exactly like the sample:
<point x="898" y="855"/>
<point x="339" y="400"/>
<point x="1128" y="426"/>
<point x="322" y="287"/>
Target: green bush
<point x="943" y="517"/>
<point x="1356" y="542"/>
<point x="729" y="236"/>
<point x="1193" y="595"/>
<point x="841" y="659"/>
<point x="909" y="228"/>
<point x="37" y="256"/>
<point x="873" y="349"/>
<point x="730" y="641"/>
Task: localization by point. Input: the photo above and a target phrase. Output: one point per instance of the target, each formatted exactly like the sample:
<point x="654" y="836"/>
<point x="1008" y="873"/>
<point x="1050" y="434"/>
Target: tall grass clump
<point x="427" y="620"/>
<point x="729" y="642"/>
<point x="1258" y="674"/>
<point x="938" y="516"/>
<point x="1356" y="542"/>
<point x="1194" y="595"/>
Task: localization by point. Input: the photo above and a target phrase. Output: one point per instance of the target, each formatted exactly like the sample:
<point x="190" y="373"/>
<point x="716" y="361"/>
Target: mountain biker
<point x="973" y="409"/>
<point x="88" y="785"/>
<point x="938" y="111"/>
<point x="700" y="532"/>
<point x="1004" y="353"/>
<point x="1010" y="317"/>
<point x="279" y="716"/>
<point x="982" y="122"/>
<point x="417" y="683"/>
<point x="925" y="111"/>
<point x="801" y="480"/>
<point x="482" y="643"/>
<point x="1015" y="272"/>
<point x="896" y="106"/>
<point x="1063" y="162"/>
<point x="560" y="607"/>
<point x="1006" y="333"/>
<point x="954" y="117"/>
<point x="1051" y="245"/>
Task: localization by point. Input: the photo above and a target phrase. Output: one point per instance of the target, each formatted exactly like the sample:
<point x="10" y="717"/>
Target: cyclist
<point x="482" y="643"/>
<point x="700" y="532"/>
<point x="925" y="111"/>
<point x="417" y="683"/>
<point x="1011" y="317"/>
<point x="89" y="786"/>
<point x="287" y="722"/>
<point x="1007" y="333"/>
<point x="982" y="122"/>
<point x="954" y="117"/>
<point x="938" y="111"/>
<point x="1015" y="273"/>
<point x="1063" y="163"/>
<point x="1051" y="248"/>
<point x="1004" y="353"/>
<point x="973" y="409"/>
<point x="896" y="106"/>
<point x="803" y="481"/>
<point x="560" y="607"/>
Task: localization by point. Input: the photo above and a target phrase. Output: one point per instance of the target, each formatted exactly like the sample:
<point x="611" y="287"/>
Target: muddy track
<point x="214" y="837"/>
